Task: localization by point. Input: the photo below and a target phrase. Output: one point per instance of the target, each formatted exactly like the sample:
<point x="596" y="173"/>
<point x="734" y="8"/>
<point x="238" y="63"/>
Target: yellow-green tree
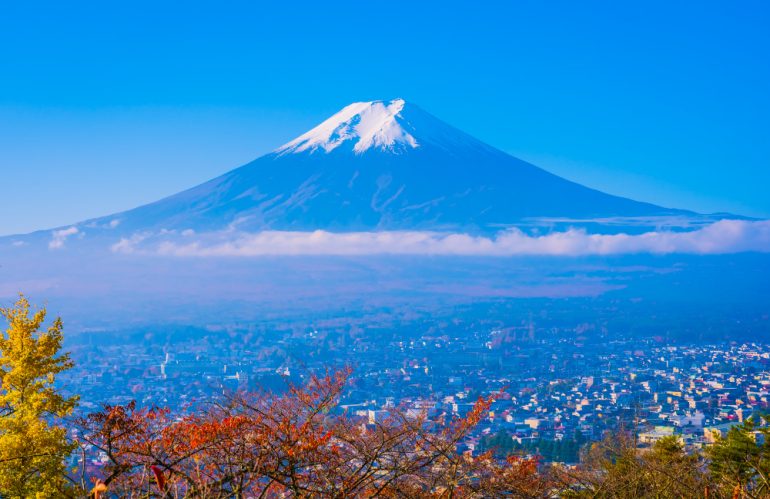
<point x="33" y="444"/>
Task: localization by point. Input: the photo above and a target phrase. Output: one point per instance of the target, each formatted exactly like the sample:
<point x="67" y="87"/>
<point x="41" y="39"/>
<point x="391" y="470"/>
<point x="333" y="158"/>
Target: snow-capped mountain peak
<point x="364" y="125"/>
<point x="373" y="166"/>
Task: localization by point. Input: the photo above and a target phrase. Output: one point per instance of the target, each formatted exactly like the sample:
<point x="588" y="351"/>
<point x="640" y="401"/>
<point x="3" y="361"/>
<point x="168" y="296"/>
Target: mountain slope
<point x="380" y="166"/>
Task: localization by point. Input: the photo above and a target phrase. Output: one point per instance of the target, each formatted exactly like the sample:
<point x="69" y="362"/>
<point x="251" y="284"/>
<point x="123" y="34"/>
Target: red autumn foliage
<point x="296" y="445"/>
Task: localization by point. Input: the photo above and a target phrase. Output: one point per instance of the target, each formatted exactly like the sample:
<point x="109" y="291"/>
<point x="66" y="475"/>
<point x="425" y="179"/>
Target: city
<point x="549" y="384"/>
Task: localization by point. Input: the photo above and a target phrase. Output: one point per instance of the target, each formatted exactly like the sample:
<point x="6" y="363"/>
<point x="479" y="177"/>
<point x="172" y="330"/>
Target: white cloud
<point x="128" y="245"/>
<point x="99" y="224"/>
<point x="725" y="236"/>
<point x="60" y="236"/>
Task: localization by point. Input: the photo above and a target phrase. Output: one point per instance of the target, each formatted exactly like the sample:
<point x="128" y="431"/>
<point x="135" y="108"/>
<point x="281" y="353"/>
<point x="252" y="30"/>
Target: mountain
<point x="376" y="166"/>
<point x="381" y="165"/>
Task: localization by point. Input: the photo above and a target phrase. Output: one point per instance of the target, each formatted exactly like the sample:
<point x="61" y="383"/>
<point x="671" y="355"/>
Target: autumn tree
<point x="616" y="468"/>
<point x="33" y="443"/>
<point x="296" y="444"/>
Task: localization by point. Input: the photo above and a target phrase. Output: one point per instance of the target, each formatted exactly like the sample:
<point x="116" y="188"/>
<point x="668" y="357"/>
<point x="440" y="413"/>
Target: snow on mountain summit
<point x="376" y="166"/>
<point x="366" y="125"/>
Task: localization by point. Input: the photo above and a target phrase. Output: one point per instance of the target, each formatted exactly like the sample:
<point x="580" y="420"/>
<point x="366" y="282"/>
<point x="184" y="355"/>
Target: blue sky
<point x="105" y="106"/>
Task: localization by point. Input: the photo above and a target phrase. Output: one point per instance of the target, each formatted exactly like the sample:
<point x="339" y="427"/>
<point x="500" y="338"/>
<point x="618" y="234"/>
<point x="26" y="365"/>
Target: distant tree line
<point x="566" y="450"/>
<point x="296" y="444"/>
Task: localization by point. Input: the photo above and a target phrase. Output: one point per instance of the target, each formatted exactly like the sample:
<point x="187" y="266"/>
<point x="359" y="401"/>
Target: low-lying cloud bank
<point x="725" y="236"/>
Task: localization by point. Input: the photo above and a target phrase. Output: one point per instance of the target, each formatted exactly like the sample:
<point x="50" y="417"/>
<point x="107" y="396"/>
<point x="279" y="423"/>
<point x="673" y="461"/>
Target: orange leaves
<point x="198" y="433"/>
<point x="99" y="488"/>
<point x="291" y="444"/>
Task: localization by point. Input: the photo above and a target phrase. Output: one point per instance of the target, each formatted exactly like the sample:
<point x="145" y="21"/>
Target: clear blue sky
<point x="108" y="105"/>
